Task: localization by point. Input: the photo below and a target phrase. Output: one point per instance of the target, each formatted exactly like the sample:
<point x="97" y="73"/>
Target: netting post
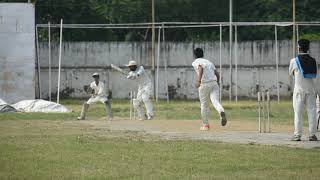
<point x="220" y="61"/>
<point x="49" y="52"/>
<point x="153" y="47"/>
<point x="277" y="60"/>
<point x="230" y="48"/>
<point x="165" y="61"/>
<point x="236" y="60"/>
<point x="158" y="62"/>
<point x="297" y="31"/>
<point x="38" y="63"/>
<point x="294" y="28"/>
<point x="59" y="70"/>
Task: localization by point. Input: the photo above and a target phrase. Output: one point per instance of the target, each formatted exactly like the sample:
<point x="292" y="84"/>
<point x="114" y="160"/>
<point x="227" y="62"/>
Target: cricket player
<point x="207" y="83"/>
<point x="98" y="93"/>
<point x="304" y="70"/>
<point x="145" y="88"/>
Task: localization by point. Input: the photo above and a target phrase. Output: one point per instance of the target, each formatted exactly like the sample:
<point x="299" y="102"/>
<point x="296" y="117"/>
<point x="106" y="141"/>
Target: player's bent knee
<point x="135" y="102"/>
<point x="146" y="98"/>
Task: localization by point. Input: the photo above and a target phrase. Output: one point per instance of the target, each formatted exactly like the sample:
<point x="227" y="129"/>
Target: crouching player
<point x="98" y="93"/>
<point x="208" y="87"/>
<point x="145" y="88"/>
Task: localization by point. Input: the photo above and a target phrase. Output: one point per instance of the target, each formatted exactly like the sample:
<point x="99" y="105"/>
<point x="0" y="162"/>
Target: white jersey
<point x="208" y="69"/>
<point x="141" y="76"/>
<point x="99" y="89"/>
<point x="301" y="84"/>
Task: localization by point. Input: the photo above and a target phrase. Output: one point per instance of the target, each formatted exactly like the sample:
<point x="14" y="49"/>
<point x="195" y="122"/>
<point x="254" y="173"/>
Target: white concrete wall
<point x="17" y="51"/>
<point x="256" y="66"/>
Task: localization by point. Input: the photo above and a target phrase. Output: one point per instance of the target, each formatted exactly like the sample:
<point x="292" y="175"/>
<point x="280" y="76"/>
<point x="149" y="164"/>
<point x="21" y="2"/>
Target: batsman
<point x="145" y="89"/>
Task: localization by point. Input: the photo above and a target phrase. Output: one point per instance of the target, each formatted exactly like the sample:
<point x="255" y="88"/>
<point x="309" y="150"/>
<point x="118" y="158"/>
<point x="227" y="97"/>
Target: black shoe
<point x="313" y="138"/>
<point x="296" y="138"/>
<point x="223" y="119"/>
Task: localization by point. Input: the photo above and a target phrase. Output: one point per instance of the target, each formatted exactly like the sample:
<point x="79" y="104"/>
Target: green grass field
<point x="29" y="151"/>
<point x="176" y="110"/>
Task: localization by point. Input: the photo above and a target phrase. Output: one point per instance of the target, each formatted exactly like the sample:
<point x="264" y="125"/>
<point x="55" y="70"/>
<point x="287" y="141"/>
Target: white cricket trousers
<point x="144" y="95"/>
<point x="96" y="99"/>
<point x="209" y="91"/>
<point x="299" y="101"/>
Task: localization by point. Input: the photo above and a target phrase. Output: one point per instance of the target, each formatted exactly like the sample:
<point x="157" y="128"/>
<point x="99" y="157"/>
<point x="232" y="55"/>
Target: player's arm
<point x="200" y="74"/>
<point x="217" y="75"/>
<point x="132" y="75"/>
<point x="140" y="71"/>
<point x="291" y="68"/>
<point x="91" y="90"/>
<point x="101" y="89"/>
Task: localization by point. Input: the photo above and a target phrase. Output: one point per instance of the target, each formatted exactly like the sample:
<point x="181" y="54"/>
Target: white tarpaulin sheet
<point x="5" y="107"/>
<point x="40" y="105"/>
<point x="2" y="102"/>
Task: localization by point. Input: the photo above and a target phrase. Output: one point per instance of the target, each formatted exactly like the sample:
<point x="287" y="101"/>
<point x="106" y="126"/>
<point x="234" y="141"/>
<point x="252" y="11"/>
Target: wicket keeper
<point x="98" y="94"/>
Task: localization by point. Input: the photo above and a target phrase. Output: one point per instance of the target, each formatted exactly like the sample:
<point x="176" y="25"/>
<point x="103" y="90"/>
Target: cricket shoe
<point x="204" y="127"/>
<point x="109" y="118"/>
<point x="296" y="138"/>
<point x="143" y="118"/>
<point x="149" y="117"/>
<point x="223" y="118"/>
<point x="313" y="138"/>
<point x="80" y="118"/>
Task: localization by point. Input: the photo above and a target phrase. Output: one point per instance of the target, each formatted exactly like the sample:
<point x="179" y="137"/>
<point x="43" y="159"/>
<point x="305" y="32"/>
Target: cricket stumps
<point x="264" y="121"/>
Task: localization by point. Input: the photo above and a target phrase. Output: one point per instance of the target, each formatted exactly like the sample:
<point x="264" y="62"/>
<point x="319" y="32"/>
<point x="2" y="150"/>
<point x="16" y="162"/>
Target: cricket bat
<point x="117" y="68"/>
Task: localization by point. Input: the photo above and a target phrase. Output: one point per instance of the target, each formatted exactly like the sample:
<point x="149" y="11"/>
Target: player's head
<point x="96" y="76"/>
<point x="304" y="45"/>
<point x="198" y="53"/>
<point x="132" y="65"/>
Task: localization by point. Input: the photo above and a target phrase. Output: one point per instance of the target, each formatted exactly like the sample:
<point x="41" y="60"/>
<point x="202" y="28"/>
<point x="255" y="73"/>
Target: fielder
<point x="304" y="70"/>
<point x="208" y="86"/>
<point x="145" y="88"/>
<point x="98" y="93"/>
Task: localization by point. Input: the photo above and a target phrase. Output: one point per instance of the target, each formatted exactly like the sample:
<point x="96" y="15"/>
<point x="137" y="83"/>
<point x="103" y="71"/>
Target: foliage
<point x="313" y="36"/>
<point x="134" y="11"/>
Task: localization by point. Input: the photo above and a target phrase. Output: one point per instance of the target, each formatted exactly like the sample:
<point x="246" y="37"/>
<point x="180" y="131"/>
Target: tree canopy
<point x="134" y="11"/>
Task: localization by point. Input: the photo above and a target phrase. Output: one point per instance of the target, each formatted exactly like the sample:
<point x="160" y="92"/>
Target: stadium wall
<point x="256" y="66"/>
<point x="17" y="51"/>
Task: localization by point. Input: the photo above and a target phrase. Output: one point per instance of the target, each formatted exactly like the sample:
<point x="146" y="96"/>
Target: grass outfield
<point x="94" y="157"/>
<point x="176" y="110"/>
<point x="54" y="150"/>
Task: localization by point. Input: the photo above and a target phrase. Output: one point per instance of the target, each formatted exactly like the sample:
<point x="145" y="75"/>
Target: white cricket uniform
<point x="209" y="88"/>
<point x="144" y="94"/>
<point x="99" y="93"/>
<point x="317" y="83"/>
<point x="304" y="94"/>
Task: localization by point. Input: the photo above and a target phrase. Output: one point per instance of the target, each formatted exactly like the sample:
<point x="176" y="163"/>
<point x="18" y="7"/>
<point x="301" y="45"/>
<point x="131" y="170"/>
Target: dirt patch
<point x="244" y="132"/>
